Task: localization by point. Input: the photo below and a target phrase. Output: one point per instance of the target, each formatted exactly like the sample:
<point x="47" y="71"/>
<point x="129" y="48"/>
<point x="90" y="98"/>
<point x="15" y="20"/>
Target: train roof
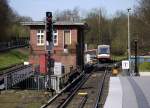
<point x="103" y="45"/>
<point x="91" y="51"/>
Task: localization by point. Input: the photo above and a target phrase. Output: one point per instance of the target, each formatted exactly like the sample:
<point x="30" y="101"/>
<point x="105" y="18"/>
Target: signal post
<point x="49" y="46"/>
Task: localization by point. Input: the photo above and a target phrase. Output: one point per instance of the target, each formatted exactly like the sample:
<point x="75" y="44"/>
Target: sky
<point x="36" y="8"/>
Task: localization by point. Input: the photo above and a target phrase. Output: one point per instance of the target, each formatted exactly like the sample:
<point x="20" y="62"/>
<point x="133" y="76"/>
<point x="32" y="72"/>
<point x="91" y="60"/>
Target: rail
<point x="99" y="95"/>
<point x="66" y="97"/>
<point x="60" y="81"/>
<point x="84" y="99"/>
<point x="62" y="91"/>
<point x="76" y="88"/>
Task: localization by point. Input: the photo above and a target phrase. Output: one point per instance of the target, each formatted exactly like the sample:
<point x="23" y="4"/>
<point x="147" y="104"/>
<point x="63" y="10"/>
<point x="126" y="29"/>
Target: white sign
<point x="58" y="68"/>
<point x="125" y="64"/>
<point x="88" y="58"/>
<point x="26" y="63"/>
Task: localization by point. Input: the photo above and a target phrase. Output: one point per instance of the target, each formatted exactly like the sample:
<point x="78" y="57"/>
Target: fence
<point x="16" y="76"/>
<point x="14" y="44"/>
<point x="39" y="82"/>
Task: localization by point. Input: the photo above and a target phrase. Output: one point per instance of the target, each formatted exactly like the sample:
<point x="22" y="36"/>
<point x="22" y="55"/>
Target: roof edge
<point x="32" y="23"/>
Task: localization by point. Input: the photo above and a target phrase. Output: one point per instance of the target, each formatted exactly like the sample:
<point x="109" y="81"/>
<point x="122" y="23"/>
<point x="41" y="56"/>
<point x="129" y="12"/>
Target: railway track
<point x="92" y="90"/>
<point x="87" y="93"/>
<point x="10" y="71"/>
<point x="66" y="93"/>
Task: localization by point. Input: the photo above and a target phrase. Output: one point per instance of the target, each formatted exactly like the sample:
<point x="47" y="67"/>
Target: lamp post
<point x="129" y="52"/>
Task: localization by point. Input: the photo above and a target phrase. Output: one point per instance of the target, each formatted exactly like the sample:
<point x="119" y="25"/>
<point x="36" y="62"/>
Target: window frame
<point x="39" y="35"/>
<point x="64" y="36"/>
<point x="55" y="34"/>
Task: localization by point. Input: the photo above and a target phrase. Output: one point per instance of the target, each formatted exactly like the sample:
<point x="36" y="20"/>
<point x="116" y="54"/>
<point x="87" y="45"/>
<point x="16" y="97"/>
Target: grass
<point x="19" y="98"/>
<point x="34" y="105"/>
<point x="13" y="57"/>
<point x="22" y="99"/>
<point x="118" y="58"/>
<point x="144" y="66"/>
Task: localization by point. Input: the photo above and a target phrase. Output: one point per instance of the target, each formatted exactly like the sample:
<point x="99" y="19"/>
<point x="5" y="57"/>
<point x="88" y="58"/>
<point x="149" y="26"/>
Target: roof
<point x="32" y="23"/>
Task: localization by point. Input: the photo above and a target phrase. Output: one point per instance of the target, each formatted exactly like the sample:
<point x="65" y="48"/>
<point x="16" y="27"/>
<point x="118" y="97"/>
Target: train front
<point x="103" y="53"/>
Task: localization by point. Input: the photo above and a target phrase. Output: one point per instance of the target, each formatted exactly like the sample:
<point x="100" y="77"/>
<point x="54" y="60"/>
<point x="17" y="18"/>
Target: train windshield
<point x="103" y="51"/>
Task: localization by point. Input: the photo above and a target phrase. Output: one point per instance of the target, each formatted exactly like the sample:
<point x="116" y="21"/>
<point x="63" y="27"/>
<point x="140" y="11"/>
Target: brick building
<point x="68" y="43"/>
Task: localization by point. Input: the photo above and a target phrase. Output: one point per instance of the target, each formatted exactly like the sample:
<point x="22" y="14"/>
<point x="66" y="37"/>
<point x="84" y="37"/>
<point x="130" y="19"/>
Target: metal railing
<point x="17" y="43"/>
<point x="17" y="75"/>
<point x="25" y="78"/>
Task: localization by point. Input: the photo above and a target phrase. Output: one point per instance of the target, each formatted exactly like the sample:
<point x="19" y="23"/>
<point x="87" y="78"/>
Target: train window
<point x="104" y="50"/>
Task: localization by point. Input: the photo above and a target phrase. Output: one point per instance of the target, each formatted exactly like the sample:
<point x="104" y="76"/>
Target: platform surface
<point x="129" y="92"/>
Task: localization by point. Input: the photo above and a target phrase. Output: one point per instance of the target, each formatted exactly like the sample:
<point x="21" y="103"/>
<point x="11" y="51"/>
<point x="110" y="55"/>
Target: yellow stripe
<point x="82" y="93"/>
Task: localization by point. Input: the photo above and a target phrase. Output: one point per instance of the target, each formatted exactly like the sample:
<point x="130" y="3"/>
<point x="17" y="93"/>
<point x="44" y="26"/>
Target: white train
<point x="103" y="53"/>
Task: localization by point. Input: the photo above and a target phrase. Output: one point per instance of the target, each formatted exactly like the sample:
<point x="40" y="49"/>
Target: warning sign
<point x="125" y="64"/>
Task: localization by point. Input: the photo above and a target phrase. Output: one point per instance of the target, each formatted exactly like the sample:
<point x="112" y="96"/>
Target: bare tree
<point x="142" y="25"/>
<point x="67" y="15"/>
<point x="99" y="27"/>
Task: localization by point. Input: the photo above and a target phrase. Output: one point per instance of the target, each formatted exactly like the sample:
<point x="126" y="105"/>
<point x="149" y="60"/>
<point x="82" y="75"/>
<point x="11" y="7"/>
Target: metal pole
<point x="129" y="53"/>
<point x="49" y="69"/>
<point x="5" y="82"/>
<point x="136" y="64"/>
<point x="38" y="80"/>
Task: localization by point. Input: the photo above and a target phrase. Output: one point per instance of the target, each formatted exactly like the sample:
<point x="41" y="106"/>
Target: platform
<point x="128" y="92"/>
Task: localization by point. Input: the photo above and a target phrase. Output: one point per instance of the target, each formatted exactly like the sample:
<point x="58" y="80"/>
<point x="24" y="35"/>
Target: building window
<point x="67" y="38"/>
<point x="55" y="38"/>
<point x="40" y="37"/>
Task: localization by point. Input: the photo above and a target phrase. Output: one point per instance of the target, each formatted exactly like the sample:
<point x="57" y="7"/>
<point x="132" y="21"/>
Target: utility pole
<point x="129" y="48"/>
<point x="99" y="24"/>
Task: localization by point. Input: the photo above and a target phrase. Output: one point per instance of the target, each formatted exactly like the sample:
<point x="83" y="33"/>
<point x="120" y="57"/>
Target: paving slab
<point x="144" y="94"/>
<point x="144" y="73"/>
<point x="114" y="99"/>
<point x="129" y="92"/>
<point x="129" y="97"/>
